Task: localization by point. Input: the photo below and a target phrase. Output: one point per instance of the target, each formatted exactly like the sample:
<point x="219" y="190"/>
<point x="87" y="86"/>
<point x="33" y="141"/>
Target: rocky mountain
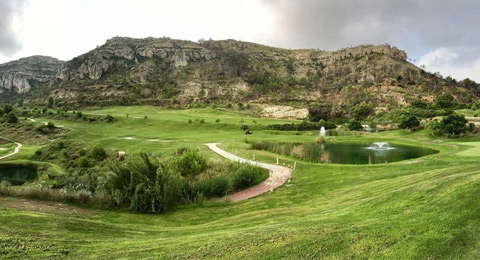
<point x="163" y="71"/>
<point x="21" y="75"/>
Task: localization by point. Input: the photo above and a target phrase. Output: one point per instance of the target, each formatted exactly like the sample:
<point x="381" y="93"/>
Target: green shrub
<point x="83" y="162"/>
<point x="409" y="123"/>
<point x="145" y="186"/>
<point x="190" y="164"/>
<point x="215" y="187"/>
<point x="454" y="125"/>
<point x="98" y="153"/>
<point x="355" y="125"/>
<point x="445" y="100"/>
<point x="12" y="118"/>
<point x="247" y="176"/>
<point x="362" y="110"/>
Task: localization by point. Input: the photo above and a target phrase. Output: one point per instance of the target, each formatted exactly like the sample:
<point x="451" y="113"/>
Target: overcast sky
<point x="443" y="35"/>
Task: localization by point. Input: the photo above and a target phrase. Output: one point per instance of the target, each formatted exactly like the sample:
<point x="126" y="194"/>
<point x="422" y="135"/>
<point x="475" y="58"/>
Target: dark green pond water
<point x="18" y="175"/>
<point x="357" y="153"/>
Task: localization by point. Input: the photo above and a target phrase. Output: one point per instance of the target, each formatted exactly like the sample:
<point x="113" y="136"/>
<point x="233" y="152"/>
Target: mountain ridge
<point x="168" y="72"/>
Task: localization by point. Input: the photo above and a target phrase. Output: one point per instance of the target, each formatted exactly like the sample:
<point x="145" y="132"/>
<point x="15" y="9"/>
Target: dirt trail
<point x="278" y="175"/>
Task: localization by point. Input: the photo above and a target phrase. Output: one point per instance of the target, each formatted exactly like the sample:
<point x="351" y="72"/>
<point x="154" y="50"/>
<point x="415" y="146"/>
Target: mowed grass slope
<point x="426" y="208"/>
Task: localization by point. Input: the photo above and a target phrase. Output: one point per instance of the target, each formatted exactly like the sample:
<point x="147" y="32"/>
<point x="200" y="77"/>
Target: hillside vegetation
<point x="176" y="73"/>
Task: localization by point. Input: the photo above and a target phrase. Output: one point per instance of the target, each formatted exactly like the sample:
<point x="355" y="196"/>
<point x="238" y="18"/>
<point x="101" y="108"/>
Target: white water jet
<point x="322" y="131"/>
<point x="380" y="146"/>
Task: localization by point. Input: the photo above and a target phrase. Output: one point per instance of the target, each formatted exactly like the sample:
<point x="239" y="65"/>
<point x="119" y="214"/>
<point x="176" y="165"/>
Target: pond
<point x="375" y="153"/>
<point x="346" y="153"/>
<point x="17" y="175"/>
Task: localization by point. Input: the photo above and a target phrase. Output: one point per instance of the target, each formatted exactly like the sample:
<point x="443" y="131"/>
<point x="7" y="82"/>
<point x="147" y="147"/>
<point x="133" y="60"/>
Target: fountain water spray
<point x="322" y="131"/>
<point x="380" y="146"/>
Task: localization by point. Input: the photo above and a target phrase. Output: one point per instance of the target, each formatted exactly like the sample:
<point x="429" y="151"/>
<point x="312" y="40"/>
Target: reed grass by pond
<point x="345" y="153"/>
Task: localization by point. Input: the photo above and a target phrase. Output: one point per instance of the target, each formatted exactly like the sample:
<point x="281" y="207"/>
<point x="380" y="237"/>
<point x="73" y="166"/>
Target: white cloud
<point x="67" y="28"/>
<point x="451" y="62"/>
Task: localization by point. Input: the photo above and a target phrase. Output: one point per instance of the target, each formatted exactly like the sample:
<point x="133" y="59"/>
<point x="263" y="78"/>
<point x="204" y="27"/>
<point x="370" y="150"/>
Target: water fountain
<point x="322" y="131"/>
<point x="380" y="146"/>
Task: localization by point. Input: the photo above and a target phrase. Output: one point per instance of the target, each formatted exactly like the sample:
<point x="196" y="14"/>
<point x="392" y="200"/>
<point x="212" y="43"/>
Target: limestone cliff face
<point x="131" y="54"/>
<point x="19" y="76"/>
<point x="163" y="71"/>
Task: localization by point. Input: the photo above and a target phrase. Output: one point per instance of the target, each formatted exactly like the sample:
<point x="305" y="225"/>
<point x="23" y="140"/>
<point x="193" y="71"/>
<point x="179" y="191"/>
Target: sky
<point x="441" y="35"/>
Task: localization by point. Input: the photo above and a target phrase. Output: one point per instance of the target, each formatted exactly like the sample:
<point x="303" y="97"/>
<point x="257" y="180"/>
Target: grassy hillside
<point x="420" y="208"/>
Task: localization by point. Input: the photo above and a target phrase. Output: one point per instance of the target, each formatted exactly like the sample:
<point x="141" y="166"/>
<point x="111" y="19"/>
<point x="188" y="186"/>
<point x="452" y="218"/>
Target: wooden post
<point x="277" y="160"/>
<point x="294" y="165"/>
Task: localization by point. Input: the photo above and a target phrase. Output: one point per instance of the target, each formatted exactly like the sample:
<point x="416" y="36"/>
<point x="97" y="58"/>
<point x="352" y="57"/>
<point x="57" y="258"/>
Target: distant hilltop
<point x="164" y="71"/>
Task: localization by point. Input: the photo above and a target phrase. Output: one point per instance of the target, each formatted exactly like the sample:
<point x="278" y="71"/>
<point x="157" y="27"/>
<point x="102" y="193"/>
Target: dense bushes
<point x="190" y="164"/>
<point x="304" y="126"/>
<point x="247" y="176"/>
<point x="362" y="110"/>
<point x="355" y="125"/>
<point x="409" y="123"/>
<point x="142" y="183"/>
<point x="145" y="186"/>
<point x="453" y="125"/>
<point x="218" y="186"/>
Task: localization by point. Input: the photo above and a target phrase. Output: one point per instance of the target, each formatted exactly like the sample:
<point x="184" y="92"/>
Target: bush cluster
<point x="304" y="126"/>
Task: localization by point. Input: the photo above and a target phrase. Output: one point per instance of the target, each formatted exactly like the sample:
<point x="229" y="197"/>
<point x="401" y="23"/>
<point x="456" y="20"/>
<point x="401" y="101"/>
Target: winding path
<point x="278" y="175"/>
<point x="17" y="149"/>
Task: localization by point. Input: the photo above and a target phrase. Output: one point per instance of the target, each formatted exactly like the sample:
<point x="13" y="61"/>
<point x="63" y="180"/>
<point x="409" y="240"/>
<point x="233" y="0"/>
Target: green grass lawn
<point x="7" y="149"/>
<point x="426" y="208"/>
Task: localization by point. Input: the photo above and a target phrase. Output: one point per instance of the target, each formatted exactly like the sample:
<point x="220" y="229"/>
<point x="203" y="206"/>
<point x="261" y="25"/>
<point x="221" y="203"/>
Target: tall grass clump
<point x="146" y="186"/>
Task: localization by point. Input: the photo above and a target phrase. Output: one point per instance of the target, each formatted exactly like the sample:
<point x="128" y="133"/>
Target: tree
<point x="12" y="118"/>
<point x="321" y="122"/>
<point x="319" y="111"/>
<point x="418" y="103"/>
<point x="362" y="110"/>
<point x="244" y="127"/>
<point x="445" y="100"/>
<point x="190" y="164"/>
<point x="454" y="125"/>
<point x="355" y="125"/>
<point x="409" y="123"/>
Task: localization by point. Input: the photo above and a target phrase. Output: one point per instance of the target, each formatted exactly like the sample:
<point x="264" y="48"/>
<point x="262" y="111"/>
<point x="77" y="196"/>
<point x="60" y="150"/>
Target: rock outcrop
<point x="163" y="71"/>
<point x="127" y="53"/>
<point x="20" y="75"/>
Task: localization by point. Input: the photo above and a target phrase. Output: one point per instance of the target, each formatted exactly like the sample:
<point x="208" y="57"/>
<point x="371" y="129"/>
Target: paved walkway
<point x="278" y="175"/>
